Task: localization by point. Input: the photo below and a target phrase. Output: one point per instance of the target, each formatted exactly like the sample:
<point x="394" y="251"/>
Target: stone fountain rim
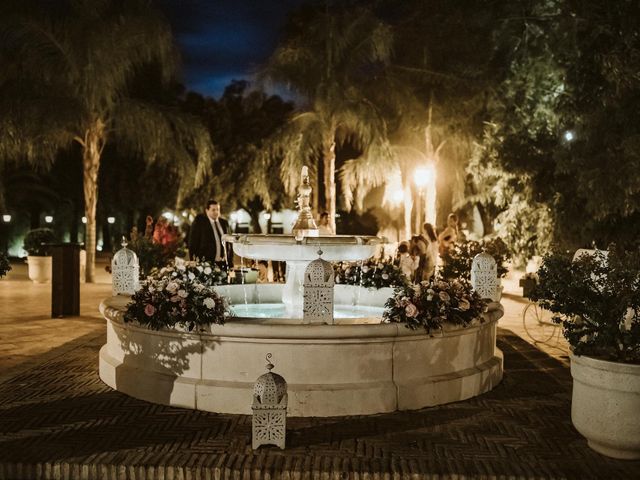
<point x="112" y="309"/>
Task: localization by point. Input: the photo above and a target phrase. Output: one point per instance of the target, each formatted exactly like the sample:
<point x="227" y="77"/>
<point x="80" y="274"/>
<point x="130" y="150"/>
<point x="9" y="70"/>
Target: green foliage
<point x="5" y="266"/>
<point x="597" y="300"/>
<point x="430" y="305"/>
<point x="178" y="295"/>
<point x="372" y="274"/>
<point x="34" y="240"/>
<point x="458" y="259"/>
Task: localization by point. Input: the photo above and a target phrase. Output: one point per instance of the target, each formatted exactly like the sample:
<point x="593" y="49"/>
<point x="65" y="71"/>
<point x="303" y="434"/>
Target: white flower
<point x="172" y="287"/>
<point x="200" y="269"/>
<point x="385" y="276"/>
<point x="207" y="270"/>
<point x="209" y="302"/>
<point x="181" y="268"/>
<point x="380" y="265"/>
<point x="151" y="289"/>
<point x="183" y="293"/>
<point x="191" y="275"/>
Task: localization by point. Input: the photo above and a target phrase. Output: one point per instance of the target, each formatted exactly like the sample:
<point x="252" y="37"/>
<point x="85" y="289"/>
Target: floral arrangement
<point x="34" y="240"/>
<point x="372" y="274"/>
<point x="596" y="299"/>
<point x="5" y="266"/>
<point x="179" y="295"/>
<point x="431" y="304"/>
<point x="457" y="260"/>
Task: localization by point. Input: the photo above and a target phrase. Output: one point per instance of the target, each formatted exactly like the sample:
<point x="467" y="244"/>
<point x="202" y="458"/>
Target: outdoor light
<point x="569" y="136"/>
<point x="422" y="176"/>
<point x="111" y="220"/>
<point x="6" y="218"/>
<point x="267" y="216"/>
<point x="168" y="215"/>
<point x="84" y="219"/>
<point x="397" y="195"/>
<point x="48" y="219"/>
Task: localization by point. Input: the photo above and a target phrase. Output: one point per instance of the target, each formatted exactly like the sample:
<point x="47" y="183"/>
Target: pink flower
<point x="411" y="310"/>
<point x="149" y="310"/>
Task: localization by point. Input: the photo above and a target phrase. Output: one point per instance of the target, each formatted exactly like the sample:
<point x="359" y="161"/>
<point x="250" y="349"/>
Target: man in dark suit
<point x="205" y="237"/>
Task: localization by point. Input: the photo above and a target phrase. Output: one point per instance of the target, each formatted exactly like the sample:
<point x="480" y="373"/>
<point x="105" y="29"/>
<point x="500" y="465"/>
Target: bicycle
<point x="538" y="323"/>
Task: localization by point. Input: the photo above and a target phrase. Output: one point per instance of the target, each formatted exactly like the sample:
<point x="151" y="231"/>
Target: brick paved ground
<point x="58" y="420"/>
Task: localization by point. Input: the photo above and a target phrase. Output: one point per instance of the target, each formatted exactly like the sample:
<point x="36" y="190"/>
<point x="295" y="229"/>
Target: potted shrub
<point x="38" y="254"/>
<point x="596" y="298"/>
<point x="5" y="266"/>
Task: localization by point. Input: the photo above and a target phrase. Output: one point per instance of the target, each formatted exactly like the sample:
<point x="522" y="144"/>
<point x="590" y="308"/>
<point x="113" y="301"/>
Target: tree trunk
<point x="91" y="151"/>
<point x="329" y="166"/>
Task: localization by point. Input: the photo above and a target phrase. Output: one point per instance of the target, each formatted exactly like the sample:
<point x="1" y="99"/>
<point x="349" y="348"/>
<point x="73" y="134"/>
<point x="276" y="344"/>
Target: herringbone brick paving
<point x="58" y="420"/>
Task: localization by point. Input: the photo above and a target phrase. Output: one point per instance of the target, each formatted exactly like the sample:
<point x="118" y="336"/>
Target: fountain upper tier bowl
<point x="288" y="248"/>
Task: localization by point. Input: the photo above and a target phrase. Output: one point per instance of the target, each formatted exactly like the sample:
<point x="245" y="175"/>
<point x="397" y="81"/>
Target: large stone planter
<point x="39" y="269"/>
<point x="605" y="407"/>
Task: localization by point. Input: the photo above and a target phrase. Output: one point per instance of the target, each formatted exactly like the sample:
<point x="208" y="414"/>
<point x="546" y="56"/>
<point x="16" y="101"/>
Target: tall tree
<point x="67" y="68"/>
<point x="334" y="60"/>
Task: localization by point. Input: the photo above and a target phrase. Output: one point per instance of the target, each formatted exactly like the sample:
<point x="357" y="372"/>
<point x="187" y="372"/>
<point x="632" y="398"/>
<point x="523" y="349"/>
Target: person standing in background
<point x="205" y="237"/>
<point x="449" y="235"/>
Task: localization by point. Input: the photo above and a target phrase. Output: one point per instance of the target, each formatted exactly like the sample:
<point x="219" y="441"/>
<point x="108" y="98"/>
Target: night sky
<point x="222" y="40"/>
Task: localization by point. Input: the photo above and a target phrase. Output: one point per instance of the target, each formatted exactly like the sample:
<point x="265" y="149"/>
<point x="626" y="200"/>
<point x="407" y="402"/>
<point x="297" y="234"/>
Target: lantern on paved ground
<point x="269" y="407"/>
<point x="125" y="271"/>
<point x="484" y="277"/>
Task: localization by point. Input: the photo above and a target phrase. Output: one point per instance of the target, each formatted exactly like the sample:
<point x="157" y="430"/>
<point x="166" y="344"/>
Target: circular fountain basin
<point x="359" y="368"/>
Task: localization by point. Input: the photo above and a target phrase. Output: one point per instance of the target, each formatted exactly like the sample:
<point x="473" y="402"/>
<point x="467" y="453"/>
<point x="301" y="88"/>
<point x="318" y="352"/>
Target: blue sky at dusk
<point x="222" y="40"/>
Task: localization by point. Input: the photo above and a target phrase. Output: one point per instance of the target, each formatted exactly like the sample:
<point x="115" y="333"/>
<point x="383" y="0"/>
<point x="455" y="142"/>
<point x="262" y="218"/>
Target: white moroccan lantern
<point x="318" y="292"/>
<point x="269" y="425"/>
<point x="484" y="277"/>
<point x="125" y="271"/>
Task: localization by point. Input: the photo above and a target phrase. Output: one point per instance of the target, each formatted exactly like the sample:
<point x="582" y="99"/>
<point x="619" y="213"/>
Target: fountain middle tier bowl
<point x="287" y="248"/>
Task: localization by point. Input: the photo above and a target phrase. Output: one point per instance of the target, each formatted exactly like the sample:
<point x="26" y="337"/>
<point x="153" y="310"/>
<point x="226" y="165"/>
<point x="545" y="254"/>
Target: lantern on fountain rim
<point x="318" y="292"/>
<point x="125" y="271"/>
<point x="269" y="422"/>
<point x="484" y="277"/>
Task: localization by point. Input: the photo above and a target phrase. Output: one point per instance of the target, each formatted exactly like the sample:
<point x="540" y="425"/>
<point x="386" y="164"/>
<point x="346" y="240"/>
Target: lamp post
<point x="6" y="220"/>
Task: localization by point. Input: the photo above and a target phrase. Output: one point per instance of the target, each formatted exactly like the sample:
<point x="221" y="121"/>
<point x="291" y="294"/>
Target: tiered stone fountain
<point x="358" y="366"/>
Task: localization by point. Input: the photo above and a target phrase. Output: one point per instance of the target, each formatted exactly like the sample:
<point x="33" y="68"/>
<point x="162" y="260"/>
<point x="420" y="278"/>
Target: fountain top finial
<point x="268" y="359"/>
<point x="305" y="225"/>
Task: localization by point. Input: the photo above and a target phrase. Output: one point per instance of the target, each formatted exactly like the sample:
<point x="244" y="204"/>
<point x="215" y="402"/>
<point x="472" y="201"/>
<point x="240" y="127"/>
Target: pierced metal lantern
<point x="269" y="407"/>
<point x="484" y="277"/>
<point x="318" y="292"/>
<point x="125" y="271"/>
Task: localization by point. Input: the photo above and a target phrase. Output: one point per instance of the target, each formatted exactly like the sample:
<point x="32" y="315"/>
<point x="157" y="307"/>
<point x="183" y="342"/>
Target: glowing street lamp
<point x="111" y="220"/>
<point x="48" y="219"/>
<point x="569" y="136"/>
<point x="422" y="176"/>
<point x="397" y="196"/>
<point x="84" y="219"/>
<point x="6" y="218"/>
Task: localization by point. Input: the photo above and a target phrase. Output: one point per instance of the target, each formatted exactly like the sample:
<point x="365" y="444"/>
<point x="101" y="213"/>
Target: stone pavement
<point x="58" y="420"/>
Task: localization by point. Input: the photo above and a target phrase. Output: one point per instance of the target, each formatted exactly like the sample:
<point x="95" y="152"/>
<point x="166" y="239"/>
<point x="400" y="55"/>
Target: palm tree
<point x="335" y="62"/>
<point x="67" y="69"/>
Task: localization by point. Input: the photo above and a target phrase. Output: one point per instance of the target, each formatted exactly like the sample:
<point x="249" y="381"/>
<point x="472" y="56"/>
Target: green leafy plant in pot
<point x="596" y="299"/>
<point x="5" y="266"/>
